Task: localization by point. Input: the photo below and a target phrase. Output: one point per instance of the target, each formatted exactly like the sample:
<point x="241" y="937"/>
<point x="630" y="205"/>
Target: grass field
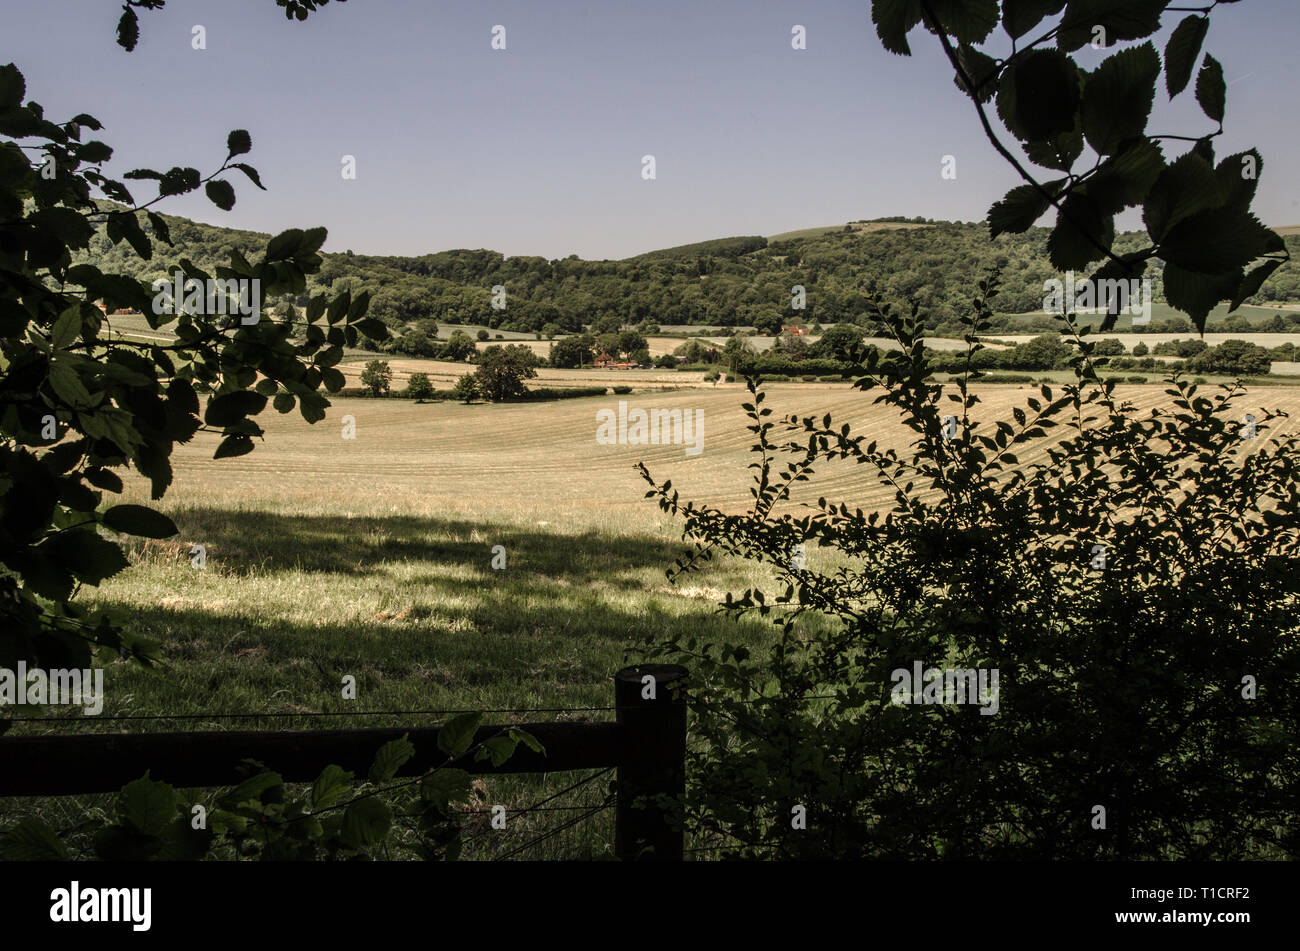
<point x="372" y="557"/>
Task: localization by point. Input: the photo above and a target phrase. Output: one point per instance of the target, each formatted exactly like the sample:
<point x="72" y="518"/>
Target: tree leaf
<point x="67" y="385"/>
<point x="1196" y="294"/>
<point x="251" y="172"/>
<point x="365" y="823"/>
<point x="65" y="224"/>
<point x="456" y="735"/>
<point x="1216" y="240"/>
<point x="12" y="87"/>
<point x="893" y="20"/>
<point x="239" y="142"/>
<point x="526" y="738"/>
<point x="1186" y="187"/>
<point x="1119" y="19"/>
<point x="160" y="228"/>
<point x="221" y="194"/>
<point x="970" y="21"/>
<point x="67" y="328"/>
<point x="1080" y="227"/>
<point x="1117" y="97"/>
<point x="139" y="520"/>
<point x="229" y="408"/>
<point x="1021" y="16"/>
<point x="236" y="444"/>
<point x="330" y="787"/>
<point x="391" y="757"/>
<point x="1018" y="210"/>
<point x="498" y="749"/>
<point x="128" y="30"/>
<point x="1252" y="282"/>
<point x="284" y="245"/>
<point x="982" y="70"/>
<point x="1181" y="51"/>
<point x="178" y="181"/>
<point x="87" y="555"/>
<point x="443" y="786"/>
<point x="149" y="806"/>
<point x="31" y="840"/>
<point x="1211" y="91"/>
<point x="1038" y="96"/>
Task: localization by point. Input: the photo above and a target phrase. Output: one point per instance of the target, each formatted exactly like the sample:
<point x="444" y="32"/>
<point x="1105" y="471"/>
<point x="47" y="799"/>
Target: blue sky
<point x="537" y="149"/>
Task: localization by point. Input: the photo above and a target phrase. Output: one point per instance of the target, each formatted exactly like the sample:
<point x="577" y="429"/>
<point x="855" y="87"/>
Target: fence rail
<point x="646" y="746"/>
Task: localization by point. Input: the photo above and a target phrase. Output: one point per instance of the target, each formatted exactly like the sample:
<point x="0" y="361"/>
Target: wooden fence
<point x="646" y="745"/>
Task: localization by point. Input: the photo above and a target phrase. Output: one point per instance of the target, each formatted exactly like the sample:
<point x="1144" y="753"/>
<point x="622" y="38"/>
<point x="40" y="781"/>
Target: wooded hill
<point x="738" y="281"/>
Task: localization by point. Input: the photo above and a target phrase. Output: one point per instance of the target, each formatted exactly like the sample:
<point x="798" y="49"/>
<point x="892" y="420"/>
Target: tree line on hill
<point x="729" y="282"/>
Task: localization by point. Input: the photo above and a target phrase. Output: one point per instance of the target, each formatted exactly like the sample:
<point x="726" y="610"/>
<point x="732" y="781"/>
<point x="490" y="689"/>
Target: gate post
<point x="652" y="761"/>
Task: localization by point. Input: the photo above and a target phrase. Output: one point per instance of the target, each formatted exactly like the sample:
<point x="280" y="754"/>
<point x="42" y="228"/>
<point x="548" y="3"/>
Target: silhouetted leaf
<point x="139" y="520"/>
<point x="1211" y="91"/>
<point x="1181" y="51"/>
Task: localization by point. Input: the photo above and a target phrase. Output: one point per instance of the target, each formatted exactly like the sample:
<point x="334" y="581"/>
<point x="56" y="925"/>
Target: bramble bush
<point x="337" y="818"/>
<point x="1161" y="686"/>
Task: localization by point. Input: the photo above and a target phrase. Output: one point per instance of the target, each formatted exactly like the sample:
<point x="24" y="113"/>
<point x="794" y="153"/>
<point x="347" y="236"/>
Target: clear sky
<point x="536" y="149"/>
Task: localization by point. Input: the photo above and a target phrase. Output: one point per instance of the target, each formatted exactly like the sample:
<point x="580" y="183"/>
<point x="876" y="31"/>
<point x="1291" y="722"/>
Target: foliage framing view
<point x="77" y="404"/>
<point x="1197" y="214"/>
<point x="1129" y="722"/>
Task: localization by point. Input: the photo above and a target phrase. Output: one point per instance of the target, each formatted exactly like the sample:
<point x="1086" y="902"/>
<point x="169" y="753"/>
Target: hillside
<point x="726" y="282"/>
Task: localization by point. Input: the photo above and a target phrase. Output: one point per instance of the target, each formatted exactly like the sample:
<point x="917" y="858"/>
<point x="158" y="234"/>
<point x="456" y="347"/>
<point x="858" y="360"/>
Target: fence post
<point x="652" y="714"/>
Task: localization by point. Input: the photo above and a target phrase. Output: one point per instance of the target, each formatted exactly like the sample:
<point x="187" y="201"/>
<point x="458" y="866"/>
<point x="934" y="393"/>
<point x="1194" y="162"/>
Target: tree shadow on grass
<point x="274" y="542"/>
<point x="524" y="647"/>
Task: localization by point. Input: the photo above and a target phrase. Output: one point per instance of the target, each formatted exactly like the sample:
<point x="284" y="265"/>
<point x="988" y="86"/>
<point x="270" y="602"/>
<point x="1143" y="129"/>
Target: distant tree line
<point x="730" y="282"/>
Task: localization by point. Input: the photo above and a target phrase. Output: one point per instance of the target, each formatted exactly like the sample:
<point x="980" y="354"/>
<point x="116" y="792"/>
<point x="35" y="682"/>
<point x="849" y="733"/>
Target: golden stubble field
<point x="540" y="463"/>
<point x="373" y="556"/>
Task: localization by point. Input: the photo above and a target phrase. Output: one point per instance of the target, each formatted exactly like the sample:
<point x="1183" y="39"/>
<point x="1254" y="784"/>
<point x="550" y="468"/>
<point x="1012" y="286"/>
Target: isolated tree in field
<point x="1140" y="349"/>
<point x="459" y="346"/>
<point x="501" y="373"/>
<point x="482" y="335"/>
<point x="465" y="388"/>
<point x="419" y="387"/>
<point x="377" y="377"/>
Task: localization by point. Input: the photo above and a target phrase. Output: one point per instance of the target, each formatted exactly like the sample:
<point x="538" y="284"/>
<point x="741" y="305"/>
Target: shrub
<point x="1121" y="680"/>
<point x="1233" y="358"/>
<point x="543" y="393"/>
